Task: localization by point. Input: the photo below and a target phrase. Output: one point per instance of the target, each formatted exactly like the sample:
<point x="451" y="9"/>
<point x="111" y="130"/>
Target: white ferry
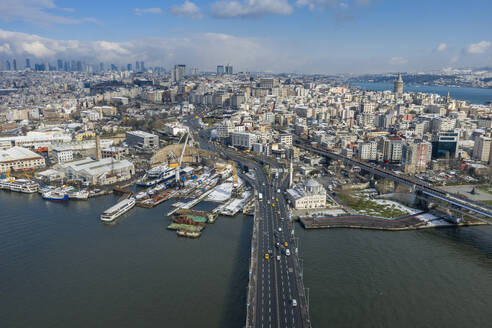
<point x="117" y="210"/>
<point x="158" y="175"/>
<point x="19" y="185"/>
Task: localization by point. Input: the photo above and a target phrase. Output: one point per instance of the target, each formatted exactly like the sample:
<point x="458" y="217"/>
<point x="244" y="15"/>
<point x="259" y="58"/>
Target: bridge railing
<point x="253" y="269"/>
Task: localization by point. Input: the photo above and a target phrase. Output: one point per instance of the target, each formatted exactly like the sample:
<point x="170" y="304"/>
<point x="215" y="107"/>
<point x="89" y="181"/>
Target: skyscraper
<point x="7" y="65"/>
<point x="228" y="69"/>
<point x="142" y="66"/>
<point x="137" y="66"/>
<point x="129" y="67"/>
<point x="28" y="63"/>
<point x="399" y="85"/>
<point x="220" y="70"/>
<point x="59" y="65"/>
<point x="178" y="73"/>
<point x="14" y="64"/>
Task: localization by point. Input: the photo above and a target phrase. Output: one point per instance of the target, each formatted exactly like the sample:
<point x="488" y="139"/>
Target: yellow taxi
<point x="267" y="256"/>
<point x="286" y="244"/>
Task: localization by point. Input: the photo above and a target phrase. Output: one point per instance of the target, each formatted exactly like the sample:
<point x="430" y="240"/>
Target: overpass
<point x="416" y="184"/>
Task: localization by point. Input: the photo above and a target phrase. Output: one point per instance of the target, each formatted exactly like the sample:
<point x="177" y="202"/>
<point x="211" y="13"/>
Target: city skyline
<point x="303" y="36"/>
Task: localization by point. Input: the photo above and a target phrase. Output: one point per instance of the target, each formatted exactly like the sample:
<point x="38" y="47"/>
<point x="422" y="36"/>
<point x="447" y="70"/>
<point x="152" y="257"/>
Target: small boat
<point x="78" y="195"/>
<point x="55" y="195"/>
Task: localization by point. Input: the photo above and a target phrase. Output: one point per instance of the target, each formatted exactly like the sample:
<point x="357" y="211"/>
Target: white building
<point x="19" y="158"/>
<point x="482" y="149"/>
<point x="286" y="139"/>
<point x="243" y="139"/>
<point x="368" y="151"/>
<point x="310" y="195"/>
<point x="63" y="154"/>
<point x="100" y="172"/>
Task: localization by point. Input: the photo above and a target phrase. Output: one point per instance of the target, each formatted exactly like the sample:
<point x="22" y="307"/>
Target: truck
<point x="287" y="252"/>
<point x="260" y="196"/>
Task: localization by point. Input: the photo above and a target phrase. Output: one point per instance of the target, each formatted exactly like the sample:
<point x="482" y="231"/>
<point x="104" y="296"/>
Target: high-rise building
<point x="28" y="63"/>
<point x="220" y="70"/>
<point x="129" y="67"/>
<point x="416" y="156"/>
<point x="59" y="65"/>
<point x="398" y="87"/>
<point x="178" y="73"/>
<point x="7" y="65"/>
<point x="142" y="66"/>
<point x="445" y="145"/>
<point x="392" y="150"/>
<point x="228" y="69"/>
<point x="14" y="64"/>
<point x="101" y="67"/>
<point x="137" y="66"/>
<point x="481" y="149"/>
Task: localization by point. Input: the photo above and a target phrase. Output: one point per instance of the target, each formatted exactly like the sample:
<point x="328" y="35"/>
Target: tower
<point x="98" y="148"/>
<point x="398" y="87"/>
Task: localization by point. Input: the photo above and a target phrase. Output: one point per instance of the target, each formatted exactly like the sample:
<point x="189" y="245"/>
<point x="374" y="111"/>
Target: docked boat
<point x="189" y="234"/>
<point x="117" y="210"/>
<point x="157" y="175"/>
<point x="19" y="185"/>
<point x="78" y="195"/>
<point x="55" y="195"/>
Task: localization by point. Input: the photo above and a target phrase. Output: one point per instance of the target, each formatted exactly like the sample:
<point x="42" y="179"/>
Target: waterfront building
<point x="19" y="159"/>
<point x="309" y="195"/>
<point x="101" y="172"/>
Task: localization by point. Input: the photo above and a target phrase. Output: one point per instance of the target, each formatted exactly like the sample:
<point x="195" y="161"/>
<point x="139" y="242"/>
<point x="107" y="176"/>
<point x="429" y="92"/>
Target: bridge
<point x="416" y="184"/>
<point x="276" y="294"/>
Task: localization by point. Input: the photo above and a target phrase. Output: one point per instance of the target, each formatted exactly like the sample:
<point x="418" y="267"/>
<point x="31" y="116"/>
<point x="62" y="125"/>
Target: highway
<point x="279" y="291"/>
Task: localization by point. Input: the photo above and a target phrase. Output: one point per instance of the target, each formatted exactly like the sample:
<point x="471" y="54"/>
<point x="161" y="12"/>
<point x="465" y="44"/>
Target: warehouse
<point x="98" y="172"/>
<point x="18" y="159"/>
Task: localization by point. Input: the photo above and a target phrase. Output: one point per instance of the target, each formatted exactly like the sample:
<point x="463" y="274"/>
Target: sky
<point x="301" y="36"/>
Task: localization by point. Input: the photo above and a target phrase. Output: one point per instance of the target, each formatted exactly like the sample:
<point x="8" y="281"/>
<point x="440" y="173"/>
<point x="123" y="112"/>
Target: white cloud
<point x="193" y="50"/>
<point x="39" y="12"/>
<point x="139" y="11"/>
<point x="332" y="4"/>
<point x="187" y="9"/>
<point x="478" y="48"/>
<point x="398" y="61"/>
<point x="442" y="47"/>
<point x="250" y="8"/>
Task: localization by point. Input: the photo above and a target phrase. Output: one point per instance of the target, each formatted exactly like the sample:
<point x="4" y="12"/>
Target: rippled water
<point x="60" y="267"/>
<point x="431" y="278"/>
<point x="472" y="95"/>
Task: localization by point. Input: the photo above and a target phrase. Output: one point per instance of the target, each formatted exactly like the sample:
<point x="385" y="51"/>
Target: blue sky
<point x="325" y="36"/>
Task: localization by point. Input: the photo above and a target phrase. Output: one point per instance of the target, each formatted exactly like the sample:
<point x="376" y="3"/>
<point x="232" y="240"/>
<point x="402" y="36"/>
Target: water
<point x="62" y="268"/>
<point x="431" y="278"/>
<point x="472" y="95"/>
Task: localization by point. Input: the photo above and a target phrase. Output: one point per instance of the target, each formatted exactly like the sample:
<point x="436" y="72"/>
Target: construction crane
<point x="178" y="164"/>
<point x="235" y="182"/>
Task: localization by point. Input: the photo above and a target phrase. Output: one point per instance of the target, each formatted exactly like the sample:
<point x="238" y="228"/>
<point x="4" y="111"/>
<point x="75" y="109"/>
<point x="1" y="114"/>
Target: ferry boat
<point x="158" y="175"/>
<point x="19" y="185"/>
<point x="117" y="210"/>
<point x="55" y="195"/>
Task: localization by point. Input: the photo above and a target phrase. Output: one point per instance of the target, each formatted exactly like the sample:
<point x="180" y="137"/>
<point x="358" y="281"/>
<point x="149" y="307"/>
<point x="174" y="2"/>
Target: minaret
<point x="291" y="173"/>
<point x="398" y="86"/>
